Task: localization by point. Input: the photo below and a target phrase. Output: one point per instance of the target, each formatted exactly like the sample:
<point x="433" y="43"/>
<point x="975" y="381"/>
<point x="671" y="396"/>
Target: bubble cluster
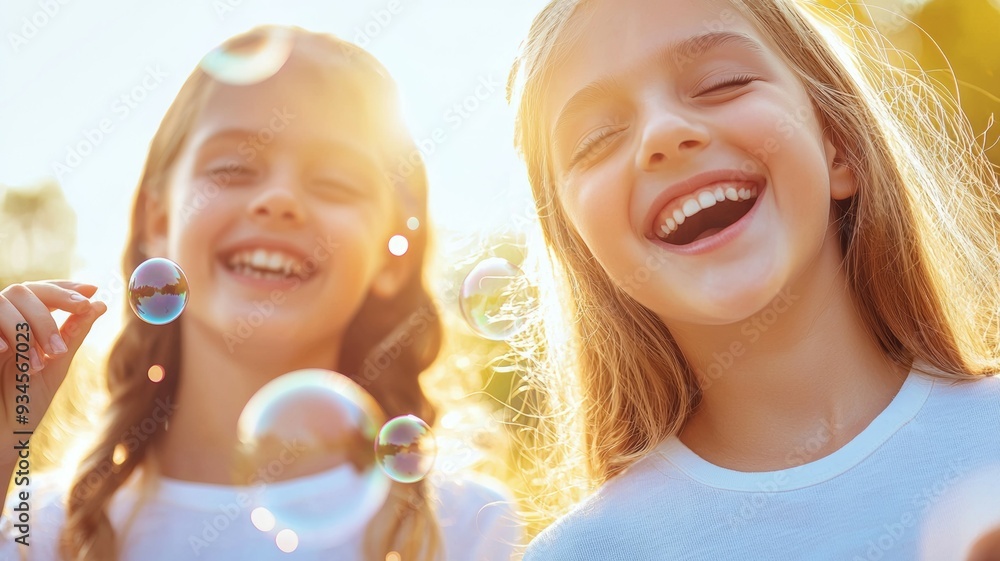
<point x="406" y="449"/>
<point x="158" y="291"/>
<point x="313" y="429"/>
<point x="488" y="298"/>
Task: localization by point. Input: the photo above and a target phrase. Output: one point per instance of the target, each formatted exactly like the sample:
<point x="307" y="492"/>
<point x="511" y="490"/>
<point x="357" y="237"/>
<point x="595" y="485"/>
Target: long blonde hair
<point x="919" y="240"/>
<point x="406" y="524"/>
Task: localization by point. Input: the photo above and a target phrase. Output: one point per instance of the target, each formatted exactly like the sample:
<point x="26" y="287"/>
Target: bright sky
<point x="65" y="64"/>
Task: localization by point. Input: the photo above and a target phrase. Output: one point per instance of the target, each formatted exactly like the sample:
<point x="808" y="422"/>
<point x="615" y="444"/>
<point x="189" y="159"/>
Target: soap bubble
<point x="251" y="62"/>
<point x="158" y="291"/>
<point x="487" y="296"/>
<point x="406" y="449"/>
<point x="313" y="429"/>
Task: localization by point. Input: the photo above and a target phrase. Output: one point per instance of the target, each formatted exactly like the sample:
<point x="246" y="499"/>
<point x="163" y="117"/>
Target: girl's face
<point x="688" y="157"/>
<point x="279" y="212"/>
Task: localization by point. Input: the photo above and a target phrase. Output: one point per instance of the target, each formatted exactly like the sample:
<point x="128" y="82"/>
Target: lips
<point x="291" y="261"/>
<point x="685" y="200"/>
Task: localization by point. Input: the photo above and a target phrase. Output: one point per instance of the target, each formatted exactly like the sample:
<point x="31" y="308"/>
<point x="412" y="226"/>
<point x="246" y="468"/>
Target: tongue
<point x="707" y="233"/>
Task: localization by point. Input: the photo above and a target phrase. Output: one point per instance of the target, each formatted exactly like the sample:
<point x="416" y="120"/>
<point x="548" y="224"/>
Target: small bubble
<point x="287" y="540"/>
<point x="392" y="556"/>
<point x="262" y="519"/>
<point x="156" y="373"/>
<point x="158" y="291"/>
<point x="406" y="449"/>
<point x="486" y="297"/>
<point x="413" y="223"/>
<point x="398" y="245"/>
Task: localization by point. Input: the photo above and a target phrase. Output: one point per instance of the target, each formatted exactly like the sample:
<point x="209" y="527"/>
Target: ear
<point x="843" y="184"/>
<point x="395" y="272"/>
<point x="155" y="226"/>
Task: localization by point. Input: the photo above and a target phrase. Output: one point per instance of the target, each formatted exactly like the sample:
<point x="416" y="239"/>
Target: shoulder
<point x="477" y="515"/>
<point x="612" y="519"/>
<point x="976" y="400"/>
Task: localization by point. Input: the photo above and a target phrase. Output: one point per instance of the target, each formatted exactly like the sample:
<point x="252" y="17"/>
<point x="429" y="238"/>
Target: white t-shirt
<point x="184" y="520"/>
<point x="921" y="482"/>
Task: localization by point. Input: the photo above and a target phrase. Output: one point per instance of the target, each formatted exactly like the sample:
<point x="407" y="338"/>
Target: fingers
<point x="15" y="329"/>
<point x="31" y="303"/>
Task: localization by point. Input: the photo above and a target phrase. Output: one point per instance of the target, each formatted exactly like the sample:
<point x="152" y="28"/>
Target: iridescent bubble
<point x="406" y="449"/>
<point x="489" y="298"/>
<point x="252" y="61"/>
<point x="398" y="245"/>
<point x="158" y="291"/>
<point x="316" y="429"/>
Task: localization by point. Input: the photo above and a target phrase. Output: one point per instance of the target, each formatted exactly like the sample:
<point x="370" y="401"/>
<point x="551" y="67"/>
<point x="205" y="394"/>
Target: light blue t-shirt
<point x="921" y="482"/>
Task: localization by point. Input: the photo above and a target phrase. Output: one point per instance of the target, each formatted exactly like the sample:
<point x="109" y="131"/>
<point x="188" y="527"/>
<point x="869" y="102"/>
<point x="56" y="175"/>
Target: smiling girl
<point x="274" y="196"/>
<point x="779" y="265"/>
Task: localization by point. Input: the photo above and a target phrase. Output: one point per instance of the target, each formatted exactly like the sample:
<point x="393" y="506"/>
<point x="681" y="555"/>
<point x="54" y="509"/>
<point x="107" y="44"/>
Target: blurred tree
<point x="37" y="233"/>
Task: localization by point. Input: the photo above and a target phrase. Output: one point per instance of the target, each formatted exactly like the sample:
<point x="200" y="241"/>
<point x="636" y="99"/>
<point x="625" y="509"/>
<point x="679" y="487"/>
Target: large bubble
<point x="313" y="428"/>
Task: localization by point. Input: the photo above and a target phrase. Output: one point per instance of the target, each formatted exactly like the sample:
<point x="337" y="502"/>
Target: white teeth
<point x="690" y="207"/>
<point x="704" y="199"/>
<point x="262" y="263"/>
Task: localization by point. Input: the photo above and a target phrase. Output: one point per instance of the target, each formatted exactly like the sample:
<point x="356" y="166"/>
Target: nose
<point x="668" y="136"/>
<point x="276" y="205"/>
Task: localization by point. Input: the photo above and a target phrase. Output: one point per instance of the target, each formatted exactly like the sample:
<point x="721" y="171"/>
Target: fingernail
<point x="77" y="297"/>
<point x="36" y="363"/>
<point x="58" y="345"/>
<point x="3" y="346"/>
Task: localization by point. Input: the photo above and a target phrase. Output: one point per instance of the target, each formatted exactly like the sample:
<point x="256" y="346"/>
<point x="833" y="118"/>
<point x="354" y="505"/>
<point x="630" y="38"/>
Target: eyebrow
<point x="683" y="50"/>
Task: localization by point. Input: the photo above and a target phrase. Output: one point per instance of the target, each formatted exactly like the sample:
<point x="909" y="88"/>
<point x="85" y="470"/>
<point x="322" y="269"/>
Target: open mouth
<point x="705" y="213"/>
<point x="266" y="265"/>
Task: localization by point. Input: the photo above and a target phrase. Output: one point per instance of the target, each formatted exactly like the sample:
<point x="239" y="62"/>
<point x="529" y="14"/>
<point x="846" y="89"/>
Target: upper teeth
<point x="692" y="204"/>
<point x="267" y="260"/>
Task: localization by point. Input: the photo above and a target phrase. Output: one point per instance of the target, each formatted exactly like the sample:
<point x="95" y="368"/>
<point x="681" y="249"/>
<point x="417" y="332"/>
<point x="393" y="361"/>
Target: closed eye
<point x="592" y="145"/>
<point x="728" y="83"/>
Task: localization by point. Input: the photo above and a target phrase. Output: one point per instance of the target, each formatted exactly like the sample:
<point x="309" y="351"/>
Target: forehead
<point x="297" y="106"/>
<point x="609" y="38"/>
